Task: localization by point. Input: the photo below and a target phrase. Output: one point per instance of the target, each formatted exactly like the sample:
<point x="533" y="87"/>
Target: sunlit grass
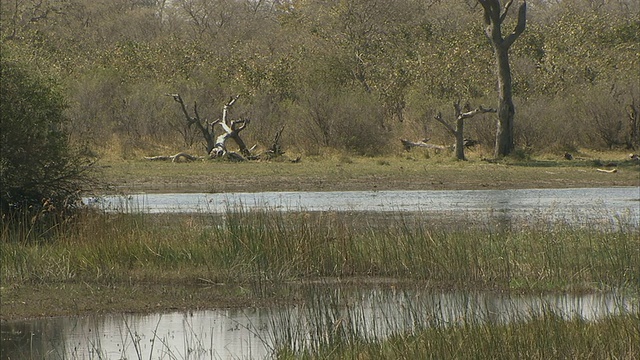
<point x="264" y="246"/>
<point x="406" y="170"/>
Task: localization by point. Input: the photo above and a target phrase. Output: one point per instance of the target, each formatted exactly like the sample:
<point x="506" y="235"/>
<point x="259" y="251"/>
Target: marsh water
<point x="577" y="206"/>
<point x="365" y="311"/>
<point x="326" y="311"/>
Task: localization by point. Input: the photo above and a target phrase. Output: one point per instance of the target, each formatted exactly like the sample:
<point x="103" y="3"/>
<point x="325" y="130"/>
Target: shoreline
<point x="182" y="289"/>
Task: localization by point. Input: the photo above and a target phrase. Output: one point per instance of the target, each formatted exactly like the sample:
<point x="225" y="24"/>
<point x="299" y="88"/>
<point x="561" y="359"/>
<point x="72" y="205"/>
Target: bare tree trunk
<point x="494" y="16"/>
<point x="506" y="110"/>
<point x="634" y="126"/>
<point x="458" y="132"/>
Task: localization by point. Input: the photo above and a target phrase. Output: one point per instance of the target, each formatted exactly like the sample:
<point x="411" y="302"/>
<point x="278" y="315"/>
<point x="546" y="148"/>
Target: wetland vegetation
<point x="109" y="263"/>
<point x="103" y="263"/>
<point x="141" y="263"/>
<point x="540" y="337"/>
<point x="340" y="83"/>
<point x="260" y="249"/>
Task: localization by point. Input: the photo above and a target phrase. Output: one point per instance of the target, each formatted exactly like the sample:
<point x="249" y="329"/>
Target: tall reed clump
<point x="272" y="246"/>
<point x="544" y="336"/>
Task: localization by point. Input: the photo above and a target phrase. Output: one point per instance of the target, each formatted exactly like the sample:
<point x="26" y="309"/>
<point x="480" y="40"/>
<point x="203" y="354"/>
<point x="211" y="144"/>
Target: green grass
<point x="256" y="254"/>
<point x="545" y="336"/>
<point x="264" y="246"/>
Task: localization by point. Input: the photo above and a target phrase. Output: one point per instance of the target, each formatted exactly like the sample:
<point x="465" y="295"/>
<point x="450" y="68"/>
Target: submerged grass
<point x="267" y="246"/>
<point x="544" y="336"/>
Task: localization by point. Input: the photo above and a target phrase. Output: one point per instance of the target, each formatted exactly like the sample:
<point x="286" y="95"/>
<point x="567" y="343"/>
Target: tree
<point x="37" y="164"/>
<point x="458" y="131"/>
<point x="216" y="146"/>
<point x="494" y="16"/>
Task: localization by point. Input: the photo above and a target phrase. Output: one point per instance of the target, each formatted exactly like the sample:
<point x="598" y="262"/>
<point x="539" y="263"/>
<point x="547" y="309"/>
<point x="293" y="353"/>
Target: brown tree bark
<point x="458" y="131"/>
<point x="634" y="126"/>
<point x="207" y="132"/>
<point x="494" y="16"/>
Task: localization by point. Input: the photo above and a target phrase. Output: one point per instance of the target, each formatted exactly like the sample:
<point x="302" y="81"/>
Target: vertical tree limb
<point x="493" y="19"/>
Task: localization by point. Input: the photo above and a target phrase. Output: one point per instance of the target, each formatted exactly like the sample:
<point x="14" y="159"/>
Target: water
<point x="369" y="313"/>
<point x="584" y="205"/>
<point x="255" y="332"/>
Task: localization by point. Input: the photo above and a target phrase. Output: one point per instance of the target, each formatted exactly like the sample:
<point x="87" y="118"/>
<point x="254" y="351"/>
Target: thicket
<point x="40" y="173"/>
<point x="353" y="75"/>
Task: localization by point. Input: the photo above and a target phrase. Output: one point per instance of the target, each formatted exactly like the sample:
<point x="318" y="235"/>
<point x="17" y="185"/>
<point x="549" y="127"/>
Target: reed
<point x="268" y="246"/>
<point x="545" y="336"/>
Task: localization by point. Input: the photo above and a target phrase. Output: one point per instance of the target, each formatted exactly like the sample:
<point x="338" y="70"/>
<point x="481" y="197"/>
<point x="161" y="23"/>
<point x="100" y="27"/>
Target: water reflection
<point x="253" y="333"/>
<point x="581" y="206"/>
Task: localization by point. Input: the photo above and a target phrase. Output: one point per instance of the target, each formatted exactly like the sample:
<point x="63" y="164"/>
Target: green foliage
<point x="117" y="59"/>
<point x="37" y="166"/>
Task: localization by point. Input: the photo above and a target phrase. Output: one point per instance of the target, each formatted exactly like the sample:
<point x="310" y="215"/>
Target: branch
<point x="492" y="19"/>
<point x="506" y="10"/>
<point x="487" y="11"/>
<point x="213" y="123"/>
<point x="208" y="136"/>
<point x="520" y="26"/>
<point x="439" y="118"/>
<point x="227" y="108"/>
<point x="173" y="158"/>
<point x="177" y="98"/>
<point x="195" y="111"/>
<point x="226" y="128"/>
<point x="423" y="143"/>
<point x="242" y="122"/>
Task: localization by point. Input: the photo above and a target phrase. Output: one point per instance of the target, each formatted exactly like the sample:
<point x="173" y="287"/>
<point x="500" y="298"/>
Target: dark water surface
<point x="255" y="332"/>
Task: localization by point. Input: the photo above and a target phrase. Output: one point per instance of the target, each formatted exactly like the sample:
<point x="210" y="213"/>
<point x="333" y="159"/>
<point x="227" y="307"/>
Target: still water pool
<point x="254" y="333"/>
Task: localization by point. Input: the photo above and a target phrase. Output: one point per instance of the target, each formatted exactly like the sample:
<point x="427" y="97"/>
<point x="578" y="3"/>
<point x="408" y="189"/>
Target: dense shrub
<point x="38" y="168"/>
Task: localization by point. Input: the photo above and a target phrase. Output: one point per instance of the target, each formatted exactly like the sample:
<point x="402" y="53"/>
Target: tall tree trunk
<point x="460" y="138"/>
<point x="494" y="16"/>
<point x="506" y="109"/>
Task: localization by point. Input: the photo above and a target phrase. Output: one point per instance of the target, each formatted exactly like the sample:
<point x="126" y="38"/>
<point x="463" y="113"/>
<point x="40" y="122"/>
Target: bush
<point x="38" y="169"/>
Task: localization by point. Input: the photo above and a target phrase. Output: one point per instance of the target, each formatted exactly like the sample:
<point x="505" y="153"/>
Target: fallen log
<point x="174" y="158"/>
<point x="411" y="144"/>
<point x="607" y="171"/>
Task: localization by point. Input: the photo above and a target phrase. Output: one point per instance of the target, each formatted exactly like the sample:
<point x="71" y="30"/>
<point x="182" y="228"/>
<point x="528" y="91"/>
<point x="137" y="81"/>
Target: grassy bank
<point x="247" y="254"/>
<point x="412" y="170"/>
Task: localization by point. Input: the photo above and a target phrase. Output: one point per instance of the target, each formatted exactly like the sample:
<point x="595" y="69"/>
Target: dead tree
<point x="458" y="131"/>
<point x="204" y="128"/>
<point x="276" y="149"/>
<point x="179" y="157"/>
<point x="633" y="138"/>
<point x="217" y="145"/>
